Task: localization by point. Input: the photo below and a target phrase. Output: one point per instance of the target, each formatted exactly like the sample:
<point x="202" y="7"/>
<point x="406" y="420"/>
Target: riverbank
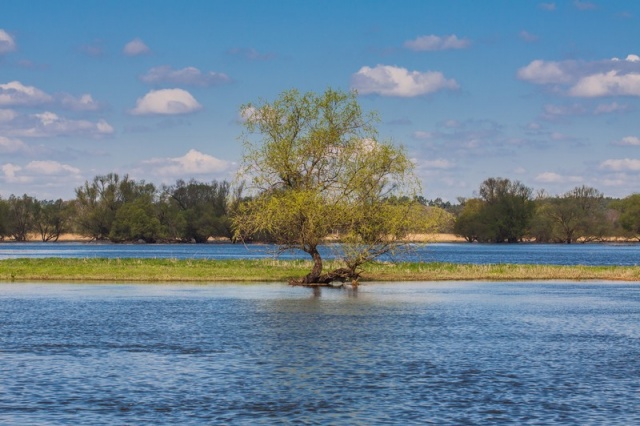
<point x="270" y="270"/>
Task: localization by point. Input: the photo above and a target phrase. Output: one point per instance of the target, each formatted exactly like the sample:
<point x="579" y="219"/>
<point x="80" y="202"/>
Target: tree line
<point x="120" y="209"/>
<point x="509" y="211"/>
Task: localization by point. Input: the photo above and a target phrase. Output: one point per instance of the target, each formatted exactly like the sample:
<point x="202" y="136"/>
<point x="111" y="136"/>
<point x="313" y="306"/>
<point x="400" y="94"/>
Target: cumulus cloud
<point x="136" y="47"/>
<point x="166" y="102"/>
<point x="611" y="83"/>
<point x="7" y="43"/>
<point x="10" y="174"/>
<point x="45" y="173"/>
<point x="628" y="141"/>
<point x="387" y="80"/>
<point x="552" y="177"/>
<point x="190" y="164"/>
<point x="541" y="72"/>
<point x="189" y="76"/>
<point x="47" y="124"/>
<point x="15" y="93"/>
<point x="434" y="42"/>
<point x="611" y="77"/>
<point x="621" y="165"/>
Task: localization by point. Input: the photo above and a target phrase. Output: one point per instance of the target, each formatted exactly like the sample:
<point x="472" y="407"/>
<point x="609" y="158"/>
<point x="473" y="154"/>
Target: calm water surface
<point x="403" y="353"/>
<point x="552" y="254"/>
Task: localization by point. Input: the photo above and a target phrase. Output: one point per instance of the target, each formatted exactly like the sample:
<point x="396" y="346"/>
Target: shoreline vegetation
<point x="125" y="270"/>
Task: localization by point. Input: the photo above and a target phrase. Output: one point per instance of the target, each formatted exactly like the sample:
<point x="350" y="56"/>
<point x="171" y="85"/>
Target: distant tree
<point x="98" y="203"/>
<point x="629" y="208"/>
<point x="318" y="169"/>
<point x="471" y="223"/>
<point x="199" y="210"/>
<point x="50" y="218"/>
<point x="578" y="214"/>
<point x="136" y="221"/>
<point x="20" y="217"/>
<point x="4" y="215"/>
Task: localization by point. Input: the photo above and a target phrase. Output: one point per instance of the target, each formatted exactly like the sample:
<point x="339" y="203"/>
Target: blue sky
<point x="544" y="92"/>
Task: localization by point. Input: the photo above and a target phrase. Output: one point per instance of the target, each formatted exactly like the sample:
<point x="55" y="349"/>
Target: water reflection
<point x="401" y="353"/>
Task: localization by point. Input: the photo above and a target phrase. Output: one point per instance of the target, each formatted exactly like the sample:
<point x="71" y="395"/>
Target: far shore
<point x="89" y="270"/>
<point x="416" y="238"/>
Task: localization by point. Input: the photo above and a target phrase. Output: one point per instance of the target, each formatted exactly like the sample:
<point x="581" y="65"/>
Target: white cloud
<point x="610" y="77"/>
<point x="47" y="124"/>
<point x="187" y="76"/>
<point x="547" y="6"/>
<point x="50" y="168"/>
<point x="136" y="47"/>
<point x="12" y="146"/>
<point x="628" y="141"/>
<point x="15" y="93"/>
<point x="84" y="103"/>
<point x="552" y="177"/>
<point x="10" y="174"/>
<point x="45" y="173"/>
<point x="621" y="165"/>
<point x="541" y="72"/>
<point x="192" y="163"/>
<point x="7" y="43"/>
<point x="166" y="102"/>
<point x="607" y="84"/>
<point x="389" y="80"/>
<point x="434" y="42"/>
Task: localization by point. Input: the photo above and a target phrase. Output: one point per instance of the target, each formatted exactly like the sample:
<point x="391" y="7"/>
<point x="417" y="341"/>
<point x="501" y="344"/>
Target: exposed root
<point x="340" y="275"/>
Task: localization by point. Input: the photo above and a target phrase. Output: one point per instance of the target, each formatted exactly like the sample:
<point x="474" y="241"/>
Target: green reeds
<point x="272" y="270"/>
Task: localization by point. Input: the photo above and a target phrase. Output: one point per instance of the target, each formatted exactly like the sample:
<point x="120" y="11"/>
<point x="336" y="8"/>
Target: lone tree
<point x="317" y="169"/>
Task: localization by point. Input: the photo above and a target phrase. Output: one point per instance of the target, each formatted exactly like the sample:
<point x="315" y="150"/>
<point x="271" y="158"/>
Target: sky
<point x="547" y="93"/>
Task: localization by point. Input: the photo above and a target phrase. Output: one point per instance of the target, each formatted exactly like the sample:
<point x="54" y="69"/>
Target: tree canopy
<point x="317" y="168"/>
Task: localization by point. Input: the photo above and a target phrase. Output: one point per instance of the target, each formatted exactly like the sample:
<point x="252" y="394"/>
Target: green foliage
<point x="578" y="214"/>
<point x="501" y="214"/>
<point x="51" y="218"/>
<point x="629" y="208"/>
<point x="318" y="169"/>
<point x="199" y="210"/>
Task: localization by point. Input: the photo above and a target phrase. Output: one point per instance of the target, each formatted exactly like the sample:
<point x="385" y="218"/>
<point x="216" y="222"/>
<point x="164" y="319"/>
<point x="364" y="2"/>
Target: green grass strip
<point x="264" y="270"/>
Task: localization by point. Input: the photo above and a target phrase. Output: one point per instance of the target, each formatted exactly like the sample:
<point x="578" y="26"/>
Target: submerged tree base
<point x="341" y="275"/>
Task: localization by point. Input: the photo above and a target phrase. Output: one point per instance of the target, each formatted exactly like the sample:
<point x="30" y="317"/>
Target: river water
<point x="552" y="254"/>
<point x="392" y="353"/>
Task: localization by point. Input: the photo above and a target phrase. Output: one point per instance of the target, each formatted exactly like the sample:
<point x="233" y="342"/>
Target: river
<point x="391" y="353"/>
<point x="553" y="254"/>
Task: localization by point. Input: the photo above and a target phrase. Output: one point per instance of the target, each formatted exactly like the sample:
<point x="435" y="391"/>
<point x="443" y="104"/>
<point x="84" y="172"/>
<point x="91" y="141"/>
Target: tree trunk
<point x="316" y="278"/>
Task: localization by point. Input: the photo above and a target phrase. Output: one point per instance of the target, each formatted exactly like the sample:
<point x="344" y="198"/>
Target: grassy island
<point x="208" y="271"/>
